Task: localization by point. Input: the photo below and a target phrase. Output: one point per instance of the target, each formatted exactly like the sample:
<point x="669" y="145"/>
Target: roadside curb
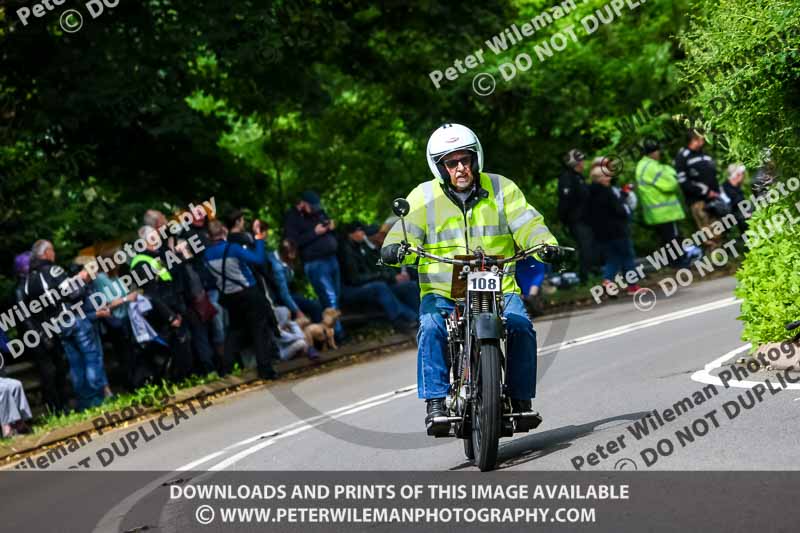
<point x="286" y="369"/>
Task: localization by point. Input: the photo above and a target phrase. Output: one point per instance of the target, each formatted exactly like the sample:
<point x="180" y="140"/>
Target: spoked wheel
<point x="486" y="412"/>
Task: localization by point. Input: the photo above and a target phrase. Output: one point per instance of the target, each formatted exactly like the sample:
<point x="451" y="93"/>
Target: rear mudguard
<point x="488" y="326"/>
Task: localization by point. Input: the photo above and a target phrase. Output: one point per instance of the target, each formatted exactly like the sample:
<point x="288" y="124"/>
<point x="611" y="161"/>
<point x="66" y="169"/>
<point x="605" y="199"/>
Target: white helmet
<point x="452" y="138"/>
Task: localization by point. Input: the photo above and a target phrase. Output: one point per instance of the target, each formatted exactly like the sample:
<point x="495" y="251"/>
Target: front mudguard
<point x="488" y="326"/>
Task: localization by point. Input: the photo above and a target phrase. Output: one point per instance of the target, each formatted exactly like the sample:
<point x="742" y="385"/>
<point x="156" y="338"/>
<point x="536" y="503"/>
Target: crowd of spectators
<point x="196" y="315"/>
<point x="598" y="214"/>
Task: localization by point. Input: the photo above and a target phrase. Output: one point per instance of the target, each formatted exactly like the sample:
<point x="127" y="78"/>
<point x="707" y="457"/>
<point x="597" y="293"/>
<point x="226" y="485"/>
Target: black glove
<point x="551" y="255"/>
<point x="392" y="254"/>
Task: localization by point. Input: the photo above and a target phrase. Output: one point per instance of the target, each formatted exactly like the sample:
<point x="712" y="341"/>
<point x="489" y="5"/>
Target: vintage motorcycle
<point x="478" y="406"/>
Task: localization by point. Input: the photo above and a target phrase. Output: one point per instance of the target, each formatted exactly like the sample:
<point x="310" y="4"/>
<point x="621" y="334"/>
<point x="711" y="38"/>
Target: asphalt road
<point x="626" y="364"/>
<point x="601" y="369"/>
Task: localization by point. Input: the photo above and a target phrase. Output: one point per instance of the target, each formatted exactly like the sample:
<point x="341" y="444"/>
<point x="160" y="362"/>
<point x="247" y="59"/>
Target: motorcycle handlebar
<point x="481" y="260"/>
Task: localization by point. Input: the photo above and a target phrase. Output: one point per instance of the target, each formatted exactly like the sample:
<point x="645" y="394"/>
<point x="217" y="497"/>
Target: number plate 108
<point x="483" y="281"/>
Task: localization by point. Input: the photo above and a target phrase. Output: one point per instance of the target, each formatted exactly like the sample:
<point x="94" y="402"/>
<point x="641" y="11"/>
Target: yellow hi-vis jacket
<point x="500" y="222"/>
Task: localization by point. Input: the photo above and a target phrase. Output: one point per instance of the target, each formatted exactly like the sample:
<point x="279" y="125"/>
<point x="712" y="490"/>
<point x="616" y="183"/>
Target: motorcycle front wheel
<point x="486" y="408"/>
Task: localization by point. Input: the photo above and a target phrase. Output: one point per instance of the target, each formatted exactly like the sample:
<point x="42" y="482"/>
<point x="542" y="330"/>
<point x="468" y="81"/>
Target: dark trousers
<point x="180" y="347"/>
<point x="201" y="343"/>
<point x="247" y="310"/>
<point x="583" y="239"/>
<point x="52" y="368"/>
<point x="666" y="233"/>
<point x="311" y="308"/>
<point x="619" y="257"/>
<point x="118" y="332"/>
<point x="378" y="292"/>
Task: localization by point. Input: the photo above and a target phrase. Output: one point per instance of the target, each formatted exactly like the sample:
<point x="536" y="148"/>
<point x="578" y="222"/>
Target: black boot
<point x="528" y="419"/>
<point x="436" y="409"/>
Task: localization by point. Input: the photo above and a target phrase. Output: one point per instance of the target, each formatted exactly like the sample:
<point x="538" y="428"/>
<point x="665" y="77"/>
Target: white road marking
<point x="650" y="322"/>
<point x="112" y="520"/>
<point x="704" y="376"/>
<point x="326" y="415"/>
<point x="200" y="461"/>
<point x="305" y="427"/>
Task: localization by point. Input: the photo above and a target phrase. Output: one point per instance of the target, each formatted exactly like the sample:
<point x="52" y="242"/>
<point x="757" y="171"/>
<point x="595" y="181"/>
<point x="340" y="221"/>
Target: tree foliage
<point x="744" y="57"/>
<point x="170" y="101"/>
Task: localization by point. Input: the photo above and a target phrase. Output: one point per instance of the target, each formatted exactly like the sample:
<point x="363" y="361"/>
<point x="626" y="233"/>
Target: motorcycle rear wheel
<point x="486" y="408"/>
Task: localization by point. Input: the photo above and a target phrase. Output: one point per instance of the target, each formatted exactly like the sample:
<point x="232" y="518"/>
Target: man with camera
<point x="311" y="229"/>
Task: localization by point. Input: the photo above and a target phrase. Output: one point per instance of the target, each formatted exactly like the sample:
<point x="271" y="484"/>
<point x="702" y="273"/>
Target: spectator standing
<point x="245" y="302"/>
<point x="572" y="195"/>
<point x="365" y="283"/>
<point x="47" y="355"/>
<point x="733" y="194"/>
<point x="697" y="175"/>
<point x="216" y="326"/>
<point x="80" y="339"/>
<point x="609" y="212"/>
<point x="238" y="234"/>
<point x="659" y="192"/>
<point x="117" y="326"/>
<point x="200" y="312"/>
<point x="168" y="300"/>
<point x="311" y="229"/>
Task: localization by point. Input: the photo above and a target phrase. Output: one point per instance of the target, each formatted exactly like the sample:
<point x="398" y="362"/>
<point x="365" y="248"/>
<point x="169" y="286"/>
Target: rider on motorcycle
<point x="464" y="207"/>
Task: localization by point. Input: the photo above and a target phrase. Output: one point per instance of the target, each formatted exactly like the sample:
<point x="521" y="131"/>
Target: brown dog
<point x="321" y="335"/>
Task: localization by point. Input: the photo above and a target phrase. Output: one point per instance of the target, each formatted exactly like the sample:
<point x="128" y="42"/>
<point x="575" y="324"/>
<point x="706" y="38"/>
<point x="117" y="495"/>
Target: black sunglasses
<point x="452" y="164"/>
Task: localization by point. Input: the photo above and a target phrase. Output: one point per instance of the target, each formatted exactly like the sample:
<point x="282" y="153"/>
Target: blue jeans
<point x="619" y="257"/>
<point x="408" y="293"/>
<point x="85" y="355"/>
<point x="218" y="322"/>
<point x="379" y="292"/>
<point x="325" y="277"/>
<point x="309" y="307"/>
<point x="432" y="377"/>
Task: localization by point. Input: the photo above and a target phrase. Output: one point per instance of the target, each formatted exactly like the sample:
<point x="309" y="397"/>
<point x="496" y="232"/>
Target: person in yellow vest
<point x="659" y="193"/>
<point x="460" y="209"/>
<point x="168" y="300"/>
